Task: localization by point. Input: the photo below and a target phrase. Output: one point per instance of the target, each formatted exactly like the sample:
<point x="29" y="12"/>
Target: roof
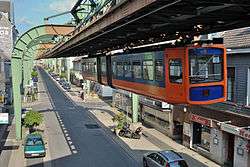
<point x="171" y="155"/>
<point x="237" y="38"/>
<point x="34" y="135"/>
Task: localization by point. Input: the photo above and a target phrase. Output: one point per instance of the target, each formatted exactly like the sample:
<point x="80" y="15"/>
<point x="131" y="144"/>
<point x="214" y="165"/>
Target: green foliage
<point x="63" y="75"/>
<point x="51" y="70"/>
<point x="120" y="118"/>
<point x="32" y="119"/>
<point x="34" y="74"/>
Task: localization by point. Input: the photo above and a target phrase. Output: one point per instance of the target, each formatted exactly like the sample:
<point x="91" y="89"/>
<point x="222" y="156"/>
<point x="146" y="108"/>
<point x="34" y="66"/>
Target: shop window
<point x="159" y="70"/>
<point x="162" y="123"/>
<point x="148" y="70"/>
<point x="230" y="83"/>
<point x="150" y="117"/>
<point x="175" y="71"/>
<point x="137" y="70"/>
<point x="119" y="69"/>
<point x="127" y="70"/>
<point x="205" y="137"/>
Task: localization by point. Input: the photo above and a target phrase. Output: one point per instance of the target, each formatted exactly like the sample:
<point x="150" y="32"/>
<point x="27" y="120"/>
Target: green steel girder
<point x="84" y="10"/>
<point x="22" y="61"/>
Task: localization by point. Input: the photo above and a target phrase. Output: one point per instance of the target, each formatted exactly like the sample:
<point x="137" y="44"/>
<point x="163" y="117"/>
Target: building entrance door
<point x="196" y="133"/>
<point x="230" y="155"/>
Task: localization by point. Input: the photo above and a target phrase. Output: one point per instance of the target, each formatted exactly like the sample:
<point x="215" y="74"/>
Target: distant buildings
<point x="8" y="35"/>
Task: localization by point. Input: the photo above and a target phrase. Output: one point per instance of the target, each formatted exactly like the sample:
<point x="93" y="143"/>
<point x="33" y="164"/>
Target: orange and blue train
<point x="184" y="75"/>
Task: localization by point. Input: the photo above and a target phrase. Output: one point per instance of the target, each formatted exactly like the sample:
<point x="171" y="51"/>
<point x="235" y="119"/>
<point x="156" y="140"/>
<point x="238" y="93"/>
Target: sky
<point x="30" y="13"/>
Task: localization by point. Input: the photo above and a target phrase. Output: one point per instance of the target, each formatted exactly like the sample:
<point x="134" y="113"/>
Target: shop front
<point x="238" y="145"/>
<point x="201" y="136"/>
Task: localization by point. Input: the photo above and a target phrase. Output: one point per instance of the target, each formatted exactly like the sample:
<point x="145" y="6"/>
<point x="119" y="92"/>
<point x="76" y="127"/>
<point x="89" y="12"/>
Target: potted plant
<point x="119" y="118"/>
<point x="32" y="120"/>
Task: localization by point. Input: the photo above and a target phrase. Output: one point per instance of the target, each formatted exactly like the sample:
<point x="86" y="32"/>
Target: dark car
<point x="66" y="86"/>
<point x="166" y="158"/>
<point x="34" y="146"/>
<point x="62" y="81"/>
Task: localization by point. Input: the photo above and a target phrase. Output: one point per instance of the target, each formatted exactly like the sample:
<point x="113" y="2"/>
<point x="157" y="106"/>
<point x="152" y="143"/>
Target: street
<point x="86" y="142"/>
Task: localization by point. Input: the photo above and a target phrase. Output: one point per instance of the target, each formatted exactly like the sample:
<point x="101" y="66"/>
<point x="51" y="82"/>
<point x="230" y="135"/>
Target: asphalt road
<point x="78" y="140"/>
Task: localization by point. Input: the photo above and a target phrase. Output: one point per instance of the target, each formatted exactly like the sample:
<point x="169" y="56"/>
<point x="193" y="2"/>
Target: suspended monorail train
<point x="184" y="75"/>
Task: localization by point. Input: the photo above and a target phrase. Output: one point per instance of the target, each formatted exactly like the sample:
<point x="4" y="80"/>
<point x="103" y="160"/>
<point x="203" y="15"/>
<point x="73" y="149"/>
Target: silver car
<point x="167" y="158"/>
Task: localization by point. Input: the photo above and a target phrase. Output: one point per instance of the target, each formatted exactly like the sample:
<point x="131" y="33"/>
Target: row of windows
<point x="147" y="70"/>
<point x="89" y="67"/>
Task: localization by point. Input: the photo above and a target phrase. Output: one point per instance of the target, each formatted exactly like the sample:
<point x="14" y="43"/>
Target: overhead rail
<point x="138" y="22"/>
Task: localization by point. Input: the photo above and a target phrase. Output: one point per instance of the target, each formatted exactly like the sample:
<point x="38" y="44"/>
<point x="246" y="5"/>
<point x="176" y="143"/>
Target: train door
<point x="175" y="61"/>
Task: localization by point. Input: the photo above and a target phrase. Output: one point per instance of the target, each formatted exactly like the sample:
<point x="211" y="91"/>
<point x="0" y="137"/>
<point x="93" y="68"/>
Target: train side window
<point x="103" y="68"/>
<point x="127" y="70"/>
<point x="175" y="71"/>
<point x="137" y="70"/>
<point x="159" y="70"/>
<point x="95" y="68"/>
<point x="148" y="70"/>
<point x="120" y="69"/>
<point x="114" y="68"/>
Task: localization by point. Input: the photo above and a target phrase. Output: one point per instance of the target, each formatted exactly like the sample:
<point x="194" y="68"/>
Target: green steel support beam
<point x="26" y="72"/>
<point x="135" y="107"/>
<point x="16" y="66"/>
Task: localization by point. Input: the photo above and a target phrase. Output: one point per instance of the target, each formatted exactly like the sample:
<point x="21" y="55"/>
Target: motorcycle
<point x="127" y="132"/>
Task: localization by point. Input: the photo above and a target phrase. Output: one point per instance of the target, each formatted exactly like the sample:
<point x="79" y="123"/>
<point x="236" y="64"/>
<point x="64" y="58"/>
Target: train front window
<point x="205" y="65"/>
<point x="175" y="71"/>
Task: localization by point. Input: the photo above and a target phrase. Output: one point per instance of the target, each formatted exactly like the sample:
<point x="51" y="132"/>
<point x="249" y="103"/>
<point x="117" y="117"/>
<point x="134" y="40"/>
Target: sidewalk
<point x="152" y="140"/>
<point x="12" y="151"/>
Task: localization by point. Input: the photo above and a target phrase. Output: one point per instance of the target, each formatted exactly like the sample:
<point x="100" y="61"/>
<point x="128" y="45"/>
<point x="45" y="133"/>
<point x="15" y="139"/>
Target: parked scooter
<point x="127" y="132"/>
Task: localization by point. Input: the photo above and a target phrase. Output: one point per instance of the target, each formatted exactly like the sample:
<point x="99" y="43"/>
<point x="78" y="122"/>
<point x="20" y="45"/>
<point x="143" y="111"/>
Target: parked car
<point x="57" y="78"/>
<point x="34" y="146"/>
<point x="66" y="86"/>
<point x="166" y="158"/>
<point x="61" y="81"/>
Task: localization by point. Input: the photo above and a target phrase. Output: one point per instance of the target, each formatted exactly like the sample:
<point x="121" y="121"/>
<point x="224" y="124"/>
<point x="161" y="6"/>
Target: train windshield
<point x="205" y="65"/>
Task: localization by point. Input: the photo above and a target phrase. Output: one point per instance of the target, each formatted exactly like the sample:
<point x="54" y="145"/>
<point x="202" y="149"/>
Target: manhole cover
<point x="92" y="126"/>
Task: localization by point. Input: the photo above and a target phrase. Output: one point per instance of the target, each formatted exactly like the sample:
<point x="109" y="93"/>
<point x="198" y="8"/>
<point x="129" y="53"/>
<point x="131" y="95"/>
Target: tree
<point x="120" y="118"/>
<point x="33" y="119"/>
<point x="34" y="74"/>
<point x="63" y="75"/>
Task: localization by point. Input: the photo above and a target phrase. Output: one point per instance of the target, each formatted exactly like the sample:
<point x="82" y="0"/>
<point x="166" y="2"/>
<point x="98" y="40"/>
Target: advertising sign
<point x="201" y="120"/>
<point x="4" y="118"/>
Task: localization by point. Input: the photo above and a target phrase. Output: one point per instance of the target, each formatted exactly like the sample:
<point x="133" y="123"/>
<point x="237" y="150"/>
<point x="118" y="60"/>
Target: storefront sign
<point x="186" y="129"/>
<point x="236" y="130"/>
<point x="201" y="120"/>
<point x="4" y="118"/>
<point x="244" y="134"/>
<point x="229" y="128"/>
